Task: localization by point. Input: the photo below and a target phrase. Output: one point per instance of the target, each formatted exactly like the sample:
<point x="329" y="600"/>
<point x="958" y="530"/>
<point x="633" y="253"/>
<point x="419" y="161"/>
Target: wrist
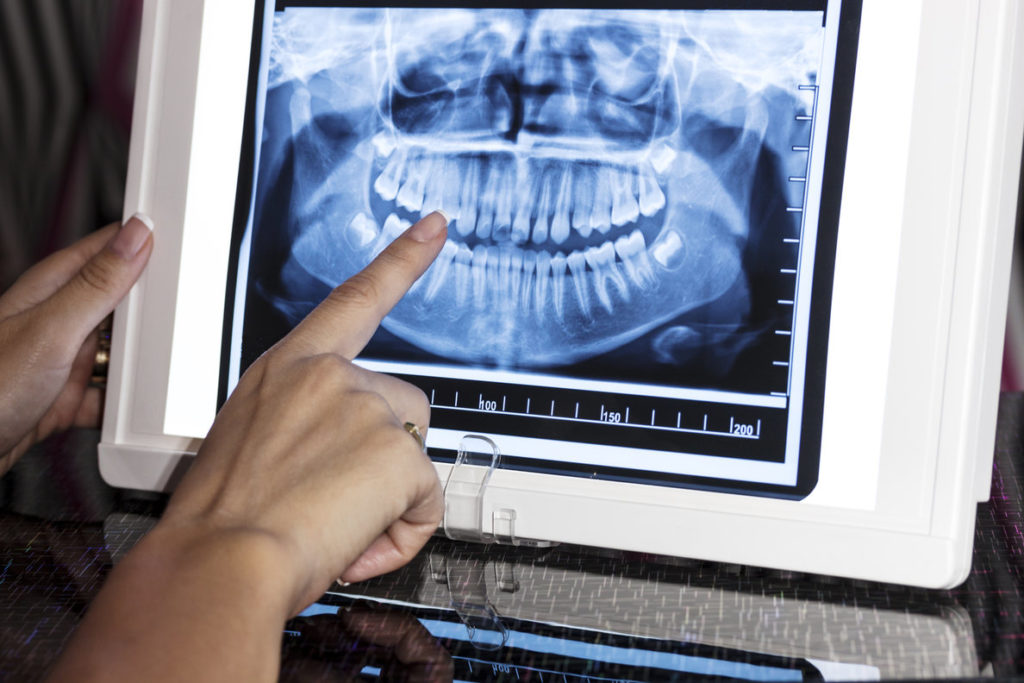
<point x="241" y="561"/>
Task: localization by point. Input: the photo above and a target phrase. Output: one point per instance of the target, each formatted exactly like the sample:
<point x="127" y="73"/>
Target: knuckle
<point x="420" y="403"/>
<point x="98" y="275"/>
<point x="360" y="290"/>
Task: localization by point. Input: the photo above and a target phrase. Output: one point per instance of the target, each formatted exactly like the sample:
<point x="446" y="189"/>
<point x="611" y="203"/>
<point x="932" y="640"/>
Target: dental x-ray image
<point x="624" y="186"/>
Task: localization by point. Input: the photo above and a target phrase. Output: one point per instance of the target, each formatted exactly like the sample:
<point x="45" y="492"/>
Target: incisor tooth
<point x="560" y="219"/>
<point x="601" y="202"/>
<point x="521" y="224"/>
<point x="480" y="275"/>
<point x="504" y="279"/>
<point x="557" y="283"/>
<point x="485" y="218"/>
<point x="529" y="261"/>
<point x="540" y="225"/>
<point x="450" y="195"/>
<point x="582" y="196"/>
<point x="433" y="196"/>
<point x="578" y="268"/>
<point x="438" y="272"/>
<point x="502" y="210"/>
<point x="468" y="199"/>
<point x="515" y="275"/>
<point x="541" y="278"/>
<point x="463" y="264"/>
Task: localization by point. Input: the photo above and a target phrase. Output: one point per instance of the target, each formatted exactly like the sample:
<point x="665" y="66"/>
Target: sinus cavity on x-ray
<point x="634" y="198"/>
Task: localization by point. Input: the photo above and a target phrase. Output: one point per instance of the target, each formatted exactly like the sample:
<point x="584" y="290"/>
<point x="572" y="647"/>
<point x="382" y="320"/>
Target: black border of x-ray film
<point x="822" y="278"/>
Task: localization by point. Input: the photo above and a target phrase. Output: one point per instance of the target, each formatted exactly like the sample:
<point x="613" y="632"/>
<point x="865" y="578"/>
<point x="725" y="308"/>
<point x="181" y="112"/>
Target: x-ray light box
<point x="723" y="279"/>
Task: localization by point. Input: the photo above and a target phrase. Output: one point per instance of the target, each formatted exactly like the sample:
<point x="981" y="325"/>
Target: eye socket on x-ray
<point x="625" y="190"/>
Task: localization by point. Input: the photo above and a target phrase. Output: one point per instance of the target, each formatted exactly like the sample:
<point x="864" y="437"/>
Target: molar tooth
<point x="557" y="265"/>
<point x="385" y="143"/>
<point x="669" y="250"/>
<point x="393" y="227"/>
<point x="601" y="202"/>
<point x="560" y="219"/>
<point x="387" y="183"/>
<point x="578" y="268"/>
<point x="361" y="231"/>
<point x="410" y="196"/>
<point x="661" y="156"/>
<point x="651" y="196"/>
<point x="438" y="271"/>
<point x="480" y="275"/>
<point x="463" y="264"/>
<point x="632" y="249"/>
<point x="624" y="205"/>
<point x="602" y="262"/>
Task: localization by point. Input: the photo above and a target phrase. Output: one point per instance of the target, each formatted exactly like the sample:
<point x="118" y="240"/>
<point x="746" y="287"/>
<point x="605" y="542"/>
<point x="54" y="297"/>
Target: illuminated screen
<point x="637" y="277"/>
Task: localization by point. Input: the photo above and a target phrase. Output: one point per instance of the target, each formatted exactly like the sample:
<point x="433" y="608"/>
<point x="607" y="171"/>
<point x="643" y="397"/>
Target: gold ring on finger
<point x="416" y="434"/>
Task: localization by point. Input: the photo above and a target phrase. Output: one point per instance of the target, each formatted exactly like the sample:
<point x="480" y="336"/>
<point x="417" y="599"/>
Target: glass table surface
<point x="495" y="613"/>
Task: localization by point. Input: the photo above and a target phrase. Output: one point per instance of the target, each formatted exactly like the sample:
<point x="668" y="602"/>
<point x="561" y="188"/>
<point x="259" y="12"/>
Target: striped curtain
<point x="67" y="72"/>
<point x="66" y="77"/>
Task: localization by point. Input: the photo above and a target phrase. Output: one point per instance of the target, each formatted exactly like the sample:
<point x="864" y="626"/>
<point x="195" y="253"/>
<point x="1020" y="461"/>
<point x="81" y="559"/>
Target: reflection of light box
<point x="899" y="633"/>
<point x="726" y="284"/>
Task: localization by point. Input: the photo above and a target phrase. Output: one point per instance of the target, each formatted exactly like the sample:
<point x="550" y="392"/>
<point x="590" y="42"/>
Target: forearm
<point x="185" y="606"/>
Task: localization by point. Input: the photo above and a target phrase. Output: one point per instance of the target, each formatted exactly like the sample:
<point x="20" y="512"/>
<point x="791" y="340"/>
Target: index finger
<point x="344" y="322"/>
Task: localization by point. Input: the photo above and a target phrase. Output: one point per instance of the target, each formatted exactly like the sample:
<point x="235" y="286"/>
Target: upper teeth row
<point x="512" y="199"/>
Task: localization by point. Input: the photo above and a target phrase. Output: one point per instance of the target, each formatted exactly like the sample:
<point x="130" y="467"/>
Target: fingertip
<point x="133" y="235"/>
<point x="146" y="220"/>
<point x="428" y="228"/>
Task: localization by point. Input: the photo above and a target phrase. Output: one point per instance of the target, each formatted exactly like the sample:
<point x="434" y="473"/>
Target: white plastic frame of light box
<point x="922" y="262"/>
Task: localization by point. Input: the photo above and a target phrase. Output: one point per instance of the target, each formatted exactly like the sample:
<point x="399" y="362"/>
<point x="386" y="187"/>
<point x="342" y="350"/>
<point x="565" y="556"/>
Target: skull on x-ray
<point x="597" y="167"/>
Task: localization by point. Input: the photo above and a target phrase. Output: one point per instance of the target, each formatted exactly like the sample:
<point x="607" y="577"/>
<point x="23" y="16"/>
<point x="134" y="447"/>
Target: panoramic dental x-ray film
<point x="643" y="203"/>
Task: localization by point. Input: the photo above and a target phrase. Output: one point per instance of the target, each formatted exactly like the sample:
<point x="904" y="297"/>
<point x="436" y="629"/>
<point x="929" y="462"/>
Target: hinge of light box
<point x="467" y="517"/>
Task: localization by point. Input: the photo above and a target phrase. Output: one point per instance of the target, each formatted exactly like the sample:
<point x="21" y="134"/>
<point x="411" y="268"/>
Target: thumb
<point x="99" y="285"/>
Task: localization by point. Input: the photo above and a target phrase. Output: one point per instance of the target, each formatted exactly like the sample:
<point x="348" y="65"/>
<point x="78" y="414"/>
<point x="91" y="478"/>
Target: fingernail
<point x="132" y="235"/>
<point x="429" y="227"/>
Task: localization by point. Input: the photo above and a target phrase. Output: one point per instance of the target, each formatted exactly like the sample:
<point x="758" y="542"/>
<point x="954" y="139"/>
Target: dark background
<point x="67" y="72"/>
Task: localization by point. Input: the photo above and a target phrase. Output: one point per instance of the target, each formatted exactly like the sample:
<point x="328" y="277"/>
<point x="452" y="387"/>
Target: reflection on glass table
<point x="505" y="613"/>
<point x="473" y="612"/>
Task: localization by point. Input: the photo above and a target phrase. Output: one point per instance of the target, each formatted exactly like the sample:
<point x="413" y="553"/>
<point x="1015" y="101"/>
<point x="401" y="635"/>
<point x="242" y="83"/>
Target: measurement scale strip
<point x="686" y="430"/>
